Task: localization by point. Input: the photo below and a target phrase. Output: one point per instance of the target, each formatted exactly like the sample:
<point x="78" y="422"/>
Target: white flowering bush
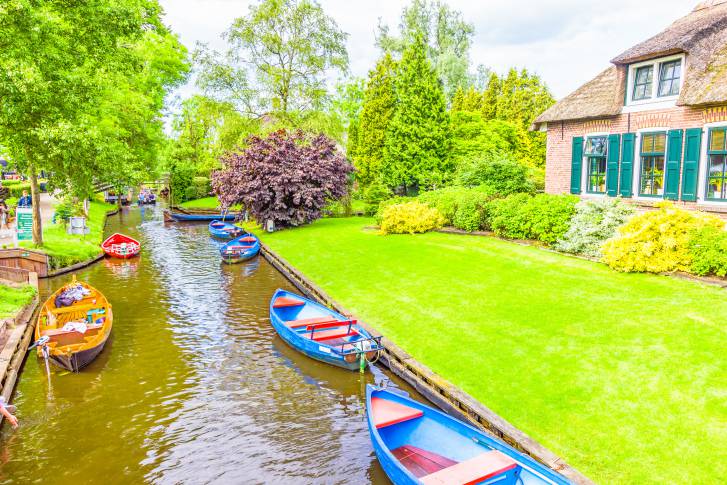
<point x="594" y="222"/>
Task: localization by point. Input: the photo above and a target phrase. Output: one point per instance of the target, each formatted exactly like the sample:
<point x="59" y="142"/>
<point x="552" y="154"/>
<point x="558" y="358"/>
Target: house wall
<point x="560" y="138"/>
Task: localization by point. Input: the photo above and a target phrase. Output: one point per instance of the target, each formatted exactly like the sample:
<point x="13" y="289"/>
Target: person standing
<point x="4" y="213"/>
<point x="25" y="200"/>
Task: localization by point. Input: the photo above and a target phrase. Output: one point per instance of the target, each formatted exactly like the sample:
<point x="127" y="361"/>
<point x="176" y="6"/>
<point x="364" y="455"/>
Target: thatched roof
<point x="702" y="35"/>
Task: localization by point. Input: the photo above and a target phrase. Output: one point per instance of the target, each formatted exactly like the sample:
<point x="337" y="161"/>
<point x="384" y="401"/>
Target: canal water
<point x="194" y="386"/>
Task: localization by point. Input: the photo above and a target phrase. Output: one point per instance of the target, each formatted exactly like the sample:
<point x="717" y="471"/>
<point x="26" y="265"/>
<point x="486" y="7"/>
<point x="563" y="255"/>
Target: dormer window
<point x="657" y="81"/>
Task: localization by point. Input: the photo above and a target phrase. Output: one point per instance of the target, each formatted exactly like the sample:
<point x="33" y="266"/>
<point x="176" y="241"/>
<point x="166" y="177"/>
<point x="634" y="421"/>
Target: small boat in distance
<point x="225" y="230"/>
<point x="121" y="246"/>
<point x="321" y="333"/>
<point x="179" y="215"/>
<point x="77" y="320"/>
<point x="240" y="249"/>
<point x="419" y="445"/>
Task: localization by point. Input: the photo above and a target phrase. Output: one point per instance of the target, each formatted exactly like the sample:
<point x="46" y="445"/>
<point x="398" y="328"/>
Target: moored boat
<point x="419" y="445"/>
<point x="121" y="246"/>
<point x="321" y="333"/>
<point x="77" y="321"/>
<point x="240" y="249"/>
<point x="225" y="230"/>
<point x="184" y="216"/>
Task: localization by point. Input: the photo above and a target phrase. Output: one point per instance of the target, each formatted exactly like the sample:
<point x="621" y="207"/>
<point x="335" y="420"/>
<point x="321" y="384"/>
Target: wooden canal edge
<point x="439" y="391"/>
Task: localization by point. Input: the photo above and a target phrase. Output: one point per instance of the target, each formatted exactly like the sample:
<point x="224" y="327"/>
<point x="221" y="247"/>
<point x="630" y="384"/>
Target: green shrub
<point x="16" y="190"/>
<point x="656" y="241"/>
<point x="594" y="222"/>
<point x="544" y="217"/>
<point x="501" y="172"/>
<point x="374" y="195"/>
<point x="508" y="217"/>
<point x="461" y="207"/>
<point x="410" y="218"/>
<point x="379" y="215"/>
<point x="180" y="181"/>
<point x="708" y="249"/>
<point x="202" y="187"/>
<point x="11" y="183"/>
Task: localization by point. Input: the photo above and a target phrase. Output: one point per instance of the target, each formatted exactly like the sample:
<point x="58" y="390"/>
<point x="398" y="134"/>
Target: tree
<point x="490" y="97"/>
<point x="277" y="60"/>
<point x="59" y="70"/>
<point x="472" y="100"/>
<point x="376" y="114"/>
<point x="415" y="150"/>
<point x="445" y="32"/>
<point x="285" y="177"/>
<point x="457" y="100"/>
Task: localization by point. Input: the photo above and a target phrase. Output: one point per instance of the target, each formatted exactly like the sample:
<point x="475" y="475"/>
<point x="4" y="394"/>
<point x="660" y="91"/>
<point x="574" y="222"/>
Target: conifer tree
<point x="378" y="109"/>
<point x="457" y="100"/>
<point x="415" y="152"/>
<point x="489" y="98"/>
<point x="472" y="101"/>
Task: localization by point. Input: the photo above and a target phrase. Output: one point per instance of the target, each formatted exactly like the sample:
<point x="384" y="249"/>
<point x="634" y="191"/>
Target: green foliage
<point x="472" y="136"/>
<point x="376" y="113"/>
<point x="594" y="222"/>
<point x="656" y="241"/>
<point x="16" y="190"/>
<point x="181" y="178"/>
<point x="385" y="204"/>
<point x="500" y="172"/>
<point x="708" y="249"/>
<point x="374" y="195"/>
<point x="544" y="217"/>
<point x="410" y="218"/>
<point x="489" y="98"/>
<point x="463" y="208"/>
<point x="417" y="142"/>
<point x="13" y="299"/>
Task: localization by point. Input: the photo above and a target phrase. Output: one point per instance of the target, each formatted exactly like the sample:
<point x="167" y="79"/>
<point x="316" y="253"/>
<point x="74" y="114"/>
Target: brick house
<point x="652" y="126"/>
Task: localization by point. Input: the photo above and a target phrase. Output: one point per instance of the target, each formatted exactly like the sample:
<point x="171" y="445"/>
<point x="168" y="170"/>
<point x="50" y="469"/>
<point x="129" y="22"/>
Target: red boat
<point x="121" y="246"/>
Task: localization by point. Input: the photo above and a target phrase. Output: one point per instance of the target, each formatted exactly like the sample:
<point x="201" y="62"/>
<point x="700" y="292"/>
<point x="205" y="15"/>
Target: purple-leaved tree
<point x="285" y="177"/>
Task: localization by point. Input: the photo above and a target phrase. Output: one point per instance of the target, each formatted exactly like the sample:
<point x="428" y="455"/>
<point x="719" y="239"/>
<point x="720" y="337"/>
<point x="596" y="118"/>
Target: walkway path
<point x="46" y="214"/>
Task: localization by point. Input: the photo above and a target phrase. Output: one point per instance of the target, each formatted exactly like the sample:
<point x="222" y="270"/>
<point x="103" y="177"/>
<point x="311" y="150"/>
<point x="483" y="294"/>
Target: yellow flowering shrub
<point x="410" y="218"/>
<point x="656" y="241"/>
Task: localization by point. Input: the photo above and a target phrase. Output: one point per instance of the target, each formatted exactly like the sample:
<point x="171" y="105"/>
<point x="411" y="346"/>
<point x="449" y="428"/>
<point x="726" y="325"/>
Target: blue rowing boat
<point x="225" y="230"/>
<point x="419" y="445"/>
<point x="240" y="249"/>
<point x="321" y="333"/>
<point x="177" y="216"/>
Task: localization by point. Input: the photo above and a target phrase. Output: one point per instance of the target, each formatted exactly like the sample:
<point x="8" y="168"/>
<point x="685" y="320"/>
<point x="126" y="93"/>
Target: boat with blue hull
<point x="419" y="445"/>
<point x="225" y="230"/>
<point x="321" y="333"/>
<point x="179" y="216"/>
<point x="240" y="249"/>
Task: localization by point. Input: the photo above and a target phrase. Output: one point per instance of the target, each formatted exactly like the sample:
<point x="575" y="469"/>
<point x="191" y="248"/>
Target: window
<point x="642" y="83"/>
<point x="596" y="155"/>
<point x="653" y="148"/>
<point x="670" y="74"/>
<point x="717" y="164"/>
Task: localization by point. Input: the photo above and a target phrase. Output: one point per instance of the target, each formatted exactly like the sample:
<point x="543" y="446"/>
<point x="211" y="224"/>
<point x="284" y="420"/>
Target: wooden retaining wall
<point x="442" y="393"/>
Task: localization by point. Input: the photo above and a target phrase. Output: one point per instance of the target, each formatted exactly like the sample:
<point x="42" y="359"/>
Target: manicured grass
<point x="13" y="299"/>
<point x="206" y="203"/>
<point x="65" y="249"/>
<point x="623" y="375"/>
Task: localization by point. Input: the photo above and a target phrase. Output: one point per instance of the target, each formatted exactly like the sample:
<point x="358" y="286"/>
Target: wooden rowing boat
<point x="419" y="445"/>
<point x="225" y="230"/>
<point x="321" y="333"/>
<point x="77" y="332"/>
<point x="121" y="246"/>
<point x="179" y="215"/>
<point x="240" y="249"/>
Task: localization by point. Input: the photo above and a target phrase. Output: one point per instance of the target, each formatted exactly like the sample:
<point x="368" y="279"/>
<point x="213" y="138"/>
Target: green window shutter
<point x="673" y="164"/>
<point x="692" y="152"/>
<point x="576" y="165"/>
<point x="614" y="142"/>
<point x="627" y="164"/>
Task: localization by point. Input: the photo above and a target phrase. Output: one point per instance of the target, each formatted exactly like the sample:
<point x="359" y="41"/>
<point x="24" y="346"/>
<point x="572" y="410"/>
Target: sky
<point x="566" y="42"/>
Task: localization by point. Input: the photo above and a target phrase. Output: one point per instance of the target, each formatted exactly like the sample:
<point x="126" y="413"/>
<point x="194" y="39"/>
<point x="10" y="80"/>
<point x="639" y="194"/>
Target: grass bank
<point x="65" y="249"/>
<point x="623" y="375"/>
<point x="205" y="203"/>
<point x="13" y="299"/>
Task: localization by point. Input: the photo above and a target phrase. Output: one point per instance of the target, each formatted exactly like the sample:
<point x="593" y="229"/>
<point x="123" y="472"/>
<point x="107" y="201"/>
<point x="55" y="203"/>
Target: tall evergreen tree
<point x="489" y="98"/>
<point x="472" y="100"/>
<point x="415" y="152"/>
<point x="378" y="109"/>
<point x="457" y="100"/>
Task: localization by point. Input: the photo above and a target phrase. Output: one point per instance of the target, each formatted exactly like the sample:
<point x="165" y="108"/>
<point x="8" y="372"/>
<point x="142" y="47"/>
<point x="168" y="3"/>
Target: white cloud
<point x="567" y="42"/>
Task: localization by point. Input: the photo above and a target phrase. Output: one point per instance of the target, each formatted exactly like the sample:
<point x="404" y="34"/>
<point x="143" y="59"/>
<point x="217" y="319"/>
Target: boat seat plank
<point x="284" y="301"/>
<point x="475" y="470"/>
<point x="421" y="462"/>
<point x="74" y="308"/>
<point x="386" y="413"/>
<point x="304" y="322"/>
<point x="332" y="334"/>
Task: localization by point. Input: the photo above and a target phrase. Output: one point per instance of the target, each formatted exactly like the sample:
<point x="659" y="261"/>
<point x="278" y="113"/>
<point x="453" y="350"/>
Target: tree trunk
<point x="35" y="196"/>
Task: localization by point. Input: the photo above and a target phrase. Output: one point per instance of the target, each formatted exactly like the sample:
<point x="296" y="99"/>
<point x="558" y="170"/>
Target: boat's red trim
<point x="333" y="334"/>
<point x="475" y="470"/>
<point x="385" y="412"/>
<point x="421" y="462"/>
<point x="284" y="301"/>
<point x="304" y="322"/>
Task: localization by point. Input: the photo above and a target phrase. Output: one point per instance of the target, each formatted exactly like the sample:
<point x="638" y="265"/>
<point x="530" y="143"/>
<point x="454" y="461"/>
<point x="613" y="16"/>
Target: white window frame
<point x="655" y="101"/>
<point x="585" y="172"/>
<point x="703" y="162"/>
<point x="636" y="176"/>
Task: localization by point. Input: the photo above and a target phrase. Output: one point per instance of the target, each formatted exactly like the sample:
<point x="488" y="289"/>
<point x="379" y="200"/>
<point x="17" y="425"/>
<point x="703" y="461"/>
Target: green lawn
<point x="12" y="299"/>
<point x="623" y="375"/>
<point x="65" y="249"/>
<point x="206" y="203"/>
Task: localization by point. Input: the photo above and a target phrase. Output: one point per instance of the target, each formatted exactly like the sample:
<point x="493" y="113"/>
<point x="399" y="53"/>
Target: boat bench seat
<point x="74" y="308"/>
<point x="235" y="247"/>
<point x="248" y="239"/>
<point x="332" y="334"/>
<point x="304" y="322"/>
<point x="284" y="301"/>
<point x="475" y="470"/>
<point x="386" y="412"/>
